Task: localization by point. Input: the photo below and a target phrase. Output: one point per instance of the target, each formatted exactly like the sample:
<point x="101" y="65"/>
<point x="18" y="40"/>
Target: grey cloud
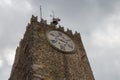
<point x="81" y="15"/>
<point x="84" y="15"/>
<point x="13" y="24"/>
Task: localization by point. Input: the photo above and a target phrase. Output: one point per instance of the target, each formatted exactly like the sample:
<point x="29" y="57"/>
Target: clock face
<point x="60" y="41"/>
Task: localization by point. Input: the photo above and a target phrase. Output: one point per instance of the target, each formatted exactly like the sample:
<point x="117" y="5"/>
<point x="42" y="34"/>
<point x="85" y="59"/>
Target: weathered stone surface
<point x="36" y="60"/>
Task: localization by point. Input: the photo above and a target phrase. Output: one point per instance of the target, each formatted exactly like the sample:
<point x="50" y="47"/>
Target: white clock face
<point x="61" y="41"/>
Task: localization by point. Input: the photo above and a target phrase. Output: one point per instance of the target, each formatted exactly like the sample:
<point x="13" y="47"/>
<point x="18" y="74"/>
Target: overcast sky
<point x="98" y="21"/>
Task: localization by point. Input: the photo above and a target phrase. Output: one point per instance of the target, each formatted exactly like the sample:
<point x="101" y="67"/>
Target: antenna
<point x="40" y="12"/>
<point x="53" y="13"/>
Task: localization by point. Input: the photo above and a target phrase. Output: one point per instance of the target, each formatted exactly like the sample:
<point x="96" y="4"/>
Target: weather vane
<point x="54" y="19"/>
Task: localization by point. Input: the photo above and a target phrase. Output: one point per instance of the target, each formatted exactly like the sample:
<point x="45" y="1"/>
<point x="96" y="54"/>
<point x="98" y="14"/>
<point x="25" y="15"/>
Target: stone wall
<point x="36" y="60"/>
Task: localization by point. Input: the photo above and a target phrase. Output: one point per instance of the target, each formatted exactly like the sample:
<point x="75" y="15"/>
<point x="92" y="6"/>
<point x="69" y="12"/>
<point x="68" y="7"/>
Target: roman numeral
<point x="60" y="34"/>
<point x="62" y="47"/>
<point x="53" y="41"/>
<point x="70" y="46"/>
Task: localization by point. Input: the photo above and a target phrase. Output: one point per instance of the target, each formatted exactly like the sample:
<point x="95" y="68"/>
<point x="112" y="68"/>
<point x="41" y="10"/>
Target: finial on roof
<point x="40" y="12"/>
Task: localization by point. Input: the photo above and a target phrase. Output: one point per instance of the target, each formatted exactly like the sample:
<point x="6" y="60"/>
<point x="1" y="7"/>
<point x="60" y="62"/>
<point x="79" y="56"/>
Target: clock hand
<point x="62" y="40"/>
<point x="52" y="34"/>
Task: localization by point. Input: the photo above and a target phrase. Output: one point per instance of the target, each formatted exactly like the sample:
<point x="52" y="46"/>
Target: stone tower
<point x="48" y="52"/>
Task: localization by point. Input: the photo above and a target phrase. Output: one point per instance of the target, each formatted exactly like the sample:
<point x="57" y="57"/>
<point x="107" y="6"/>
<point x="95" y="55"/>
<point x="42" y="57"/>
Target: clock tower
<point x="48" y="52"/>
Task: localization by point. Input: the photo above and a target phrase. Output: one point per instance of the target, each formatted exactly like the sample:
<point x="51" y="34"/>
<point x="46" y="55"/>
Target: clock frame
<point x="60" y="41"/>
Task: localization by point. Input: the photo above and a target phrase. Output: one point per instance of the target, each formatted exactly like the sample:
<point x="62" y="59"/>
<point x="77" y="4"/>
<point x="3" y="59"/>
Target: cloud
<point x="13" y="20"/>
<point x="5" y="2"/>
<point x="1" y="62"/>
<point x="108" y="34"/>
<point x="9" y="55"/>
<point x="15" y="15"/>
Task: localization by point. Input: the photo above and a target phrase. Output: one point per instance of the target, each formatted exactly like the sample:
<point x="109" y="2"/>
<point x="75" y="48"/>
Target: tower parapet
<point x="61" y="28"/>
<point x="69" y="32"/>
<point x="34" y="19"/>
